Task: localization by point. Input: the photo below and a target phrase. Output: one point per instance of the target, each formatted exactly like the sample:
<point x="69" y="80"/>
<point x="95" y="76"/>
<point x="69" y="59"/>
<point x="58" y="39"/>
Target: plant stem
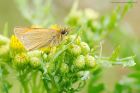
<point x="23" y="81"/>
<point x="25" y="87"/>
<point x="53" y="88"/>
<point x="35" y="86"/>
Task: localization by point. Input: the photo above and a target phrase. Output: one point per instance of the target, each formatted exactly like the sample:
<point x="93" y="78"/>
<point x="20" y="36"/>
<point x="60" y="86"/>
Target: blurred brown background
<point x="10" y="14"/>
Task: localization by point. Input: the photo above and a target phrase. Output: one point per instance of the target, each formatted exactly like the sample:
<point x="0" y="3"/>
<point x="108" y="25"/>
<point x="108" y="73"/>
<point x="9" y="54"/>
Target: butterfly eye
<point x="64" y="32"/>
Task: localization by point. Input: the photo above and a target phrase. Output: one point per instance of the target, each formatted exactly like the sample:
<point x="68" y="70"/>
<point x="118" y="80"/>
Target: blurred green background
<point x="11" y="15"/>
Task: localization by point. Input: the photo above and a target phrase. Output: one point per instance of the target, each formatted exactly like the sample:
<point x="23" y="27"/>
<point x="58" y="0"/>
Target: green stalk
<point x="54" y="88"/>
<point x="23" y="81"/>
<point x="24" y="84"/>
<point x="36" y="86"/>
<point x="25" y="87"/>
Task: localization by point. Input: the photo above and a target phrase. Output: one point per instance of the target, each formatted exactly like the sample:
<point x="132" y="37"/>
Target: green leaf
<point x="127" y="7"/>
<point x="39" y="14"/>
<point x="6" y="87"/>
<point x="119" y="88"/>
<point x="115" y="53"/>
<point x="125" y="62"/>
<point x="135" y="75"/>
<point x="96" y="88"/>
<point x="75" y="6"/>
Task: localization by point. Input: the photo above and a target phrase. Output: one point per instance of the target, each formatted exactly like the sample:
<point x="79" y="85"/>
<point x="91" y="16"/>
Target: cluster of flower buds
<point x="74" y="62"/>
<point x="74" y="59"/>
<point x="78" y="17"/>
<point x="23" y="58"/>
<point x="86" y="18"/>
<point x="81" y="53"/>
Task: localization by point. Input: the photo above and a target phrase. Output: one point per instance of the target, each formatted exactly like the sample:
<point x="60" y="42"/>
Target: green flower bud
<point x="45" y="56"/>
<point x="35" y="62"/>
<point x="35" y="53"/>
<point x="96" y="25"/>
<point x="4" y="49"/>
<point x="3" y="40"/>
<point x="90" y="14"/>
<point x="70" y="38"/>
<point x="73" y="37"/>
<point x="74" y="18"/>
<point x="53" y="50"/>
<point x="64" y="68"/>
<point x="21" y="60"/>
<point x="75" y="49"/>
<point x="80" y="62"/>
<point x="80" y="73"/>
<point x="78" y="40"/>
<point x="49" y="67"/>
<point x="84" y="75"/>
<point x="84" y="47"/>
<point x="90" y="61"/>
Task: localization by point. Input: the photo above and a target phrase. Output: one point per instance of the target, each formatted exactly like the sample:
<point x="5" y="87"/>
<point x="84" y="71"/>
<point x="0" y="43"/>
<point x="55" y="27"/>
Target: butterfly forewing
<point x="19" y="31"/>
<point x="35" y="38"/>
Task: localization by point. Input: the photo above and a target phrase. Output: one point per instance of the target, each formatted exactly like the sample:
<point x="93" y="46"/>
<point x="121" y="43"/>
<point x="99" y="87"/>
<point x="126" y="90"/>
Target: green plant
<point x="67" y="67"/>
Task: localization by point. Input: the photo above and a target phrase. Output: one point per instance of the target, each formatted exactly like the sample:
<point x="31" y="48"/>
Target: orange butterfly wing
<point x="34" y="38"/>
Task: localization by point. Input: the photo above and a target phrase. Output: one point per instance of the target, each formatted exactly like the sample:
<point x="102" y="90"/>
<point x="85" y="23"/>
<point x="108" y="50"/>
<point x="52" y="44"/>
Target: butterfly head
<point x="62" y="30"/>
